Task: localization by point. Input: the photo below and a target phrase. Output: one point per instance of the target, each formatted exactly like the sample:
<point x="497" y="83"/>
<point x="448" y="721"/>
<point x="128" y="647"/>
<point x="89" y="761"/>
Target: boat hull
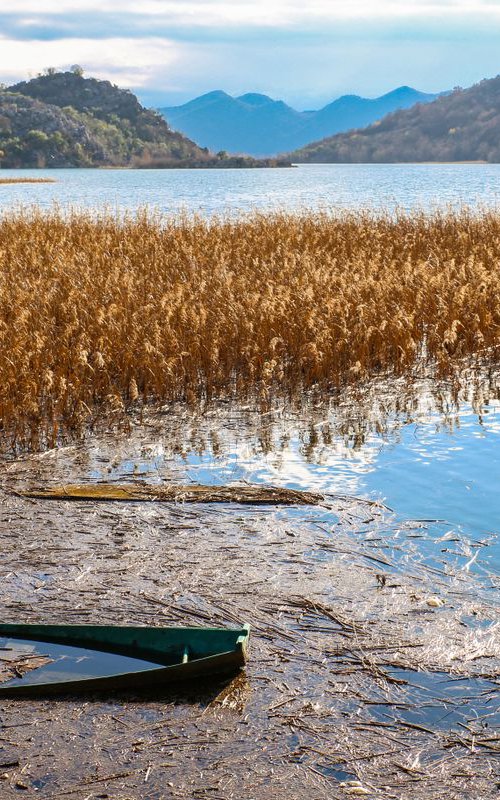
<point x="212" y="651"/>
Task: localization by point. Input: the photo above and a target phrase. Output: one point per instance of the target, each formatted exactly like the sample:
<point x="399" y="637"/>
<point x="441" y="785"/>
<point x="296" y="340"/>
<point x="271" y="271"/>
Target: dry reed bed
<point x="9" y="181"/>
<point x="99" y="313"/>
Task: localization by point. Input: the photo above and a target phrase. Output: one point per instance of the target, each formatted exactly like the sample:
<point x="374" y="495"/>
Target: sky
<point x="306" y="52"/>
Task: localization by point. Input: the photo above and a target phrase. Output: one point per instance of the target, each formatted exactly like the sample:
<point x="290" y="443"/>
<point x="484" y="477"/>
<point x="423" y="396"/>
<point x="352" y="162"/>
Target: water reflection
<point x="430" y="451"/>
<point x="30" y="662"/>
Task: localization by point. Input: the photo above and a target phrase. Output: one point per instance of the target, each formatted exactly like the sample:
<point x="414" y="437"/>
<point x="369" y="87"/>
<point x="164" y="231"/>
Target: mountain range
<point x="65" y="120"/>
<point x="463" y="125"/>
<point x="259" y="126"/>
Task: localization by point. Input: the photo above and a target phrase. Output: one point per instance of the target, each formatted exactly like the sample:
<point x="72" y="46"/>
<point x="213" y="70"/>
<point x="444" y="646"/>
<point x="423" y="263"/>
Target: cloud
<point x="134" y="62"/>
<point x="227" y="14"/>
<point x="305" y="51"/>
<point x="242" y="21"/>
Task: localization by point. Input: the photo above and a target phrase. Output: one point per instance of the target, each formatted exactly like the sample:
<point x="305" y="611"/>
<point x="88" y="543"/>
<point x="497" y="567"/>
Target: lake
<point x="316" y="186"/>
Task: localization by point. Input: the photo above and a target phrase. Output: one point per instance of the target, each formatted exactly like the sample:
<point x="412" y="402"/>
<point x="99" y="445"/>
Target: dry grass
<point x="98" y="314"/>
<point x="8" y="181"/>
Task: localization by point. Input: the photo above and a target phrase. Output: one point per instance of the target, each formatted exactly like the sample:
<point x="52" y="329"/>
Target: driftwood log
<point x="190" y="493"/>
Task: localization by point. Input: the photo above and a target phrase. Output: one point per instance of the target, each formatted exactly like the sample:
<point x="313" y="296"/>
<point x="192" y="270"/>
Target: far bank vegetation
<point x="463" y="125"/>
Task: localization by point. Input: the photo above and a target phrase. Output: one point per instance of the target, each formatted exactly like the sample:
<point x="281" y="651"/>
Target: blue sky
<point x="306" y="52"/>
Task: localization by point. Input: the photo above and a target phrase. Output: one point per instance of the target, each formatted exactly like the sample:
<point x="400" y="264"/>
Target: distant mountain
<point x="260" y="126"/>
<point x="62" y="119"/>
<point x="252" y="124"/>
<point x="463" y="125"/>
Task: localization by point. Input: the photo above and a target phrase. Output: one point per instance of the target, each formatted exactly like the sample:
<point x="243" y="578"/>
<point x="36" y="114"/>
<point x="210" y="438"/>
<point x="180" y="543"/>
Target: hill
<point x="461" y="126"/>
<point x="62" y="119"/>
<point x="65" y="120"/>
<point x="260" y="126"/>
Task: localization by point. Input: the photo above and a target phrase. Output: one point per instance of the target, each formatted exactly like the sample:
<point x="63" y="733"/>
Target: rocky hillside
<point x="461" y="126"/>
<point x="65" y="120"/>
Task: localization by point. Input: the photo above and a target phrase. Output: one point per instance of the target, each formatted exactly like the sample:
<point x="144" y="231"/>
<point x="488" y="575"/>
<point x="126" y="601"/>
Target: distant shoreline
<point x="269" y="164"/>
<point x="210" y="165"/>
<point x="386" y="163"/>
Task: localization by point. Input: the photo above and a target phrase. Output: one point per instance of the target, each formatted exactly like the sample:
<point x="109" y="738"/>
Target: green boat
<point x="109" y="657"/>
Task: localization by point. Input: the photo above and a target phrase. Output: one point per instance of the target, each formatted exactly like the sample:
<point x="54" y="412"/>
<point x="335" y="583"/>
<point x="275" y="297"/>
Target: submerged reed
<point x="98" y="314"/>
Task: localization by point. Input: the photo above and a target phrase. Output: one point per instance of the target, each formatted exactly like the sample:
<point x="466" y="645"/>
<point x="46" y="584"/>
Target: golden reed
<point x="99" y="313"/>
<point x="9" y="181"/>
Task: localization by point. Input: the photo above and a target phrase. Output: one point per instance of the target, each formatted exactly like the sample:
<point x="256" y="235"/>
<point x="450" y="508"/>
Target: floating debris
<point x="195" y="493"/>
<point x="356" y="788"/>
<point x="434" y="602"/>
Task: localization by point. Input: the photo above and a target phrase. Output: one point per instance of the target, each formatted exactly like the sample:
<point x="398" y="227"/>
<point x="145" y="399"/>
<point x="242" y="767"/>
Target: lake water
<point x="316" y="186"/>
<point x="438" y="472"/>
<point x="423" y="469"/>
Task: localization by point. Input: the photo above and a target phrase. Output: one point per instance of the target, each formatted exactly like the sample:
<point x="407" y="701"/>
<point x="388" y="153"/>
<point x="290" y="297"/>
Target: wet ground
<point x="375" y="646"/>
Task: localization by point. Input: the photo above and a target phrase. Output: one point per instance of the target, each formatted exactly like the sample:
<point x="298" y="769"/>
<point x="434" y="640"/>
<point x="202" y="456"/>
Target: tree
<point x="37" y="138"/>
<point x="76" y="69"/>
